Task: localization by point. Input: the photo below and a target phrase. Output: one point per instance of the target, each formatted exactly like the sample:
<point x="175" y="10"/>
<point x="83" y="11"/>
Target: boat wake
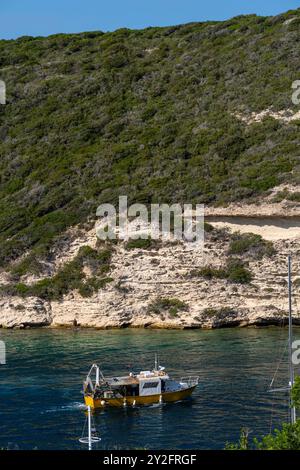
<point x="70" y="407"/>
<point x="156" y="405"/>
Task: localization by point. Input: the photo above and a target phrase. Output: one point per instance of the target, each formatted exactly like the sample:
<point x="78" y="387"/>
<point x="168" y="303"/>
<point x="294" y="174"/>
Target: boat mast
<point x="89" y="428"/>
<point x="291" y="383"/>
<point x="90" y="439"/>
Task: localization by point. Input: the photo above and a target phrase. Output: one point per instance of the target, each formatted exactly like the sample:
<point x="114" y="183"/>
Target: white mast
<point x="90" y="439"/>
<point x="292" y="379"/>
<point x="89" y="428"/>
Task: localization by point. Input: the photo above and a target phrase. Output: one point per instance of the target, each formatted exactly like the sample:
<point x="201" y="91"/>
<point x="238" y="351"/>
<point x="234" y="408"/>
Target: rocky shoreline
<point x="259" y="323"/>
<point x="140" y="276"/>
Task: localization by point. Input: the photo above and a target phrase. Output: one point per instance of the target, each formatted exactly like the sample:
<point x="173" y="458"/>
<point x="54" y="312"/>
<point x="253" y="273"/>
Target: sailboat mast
<point x="90" y="439"/>
<point x="291" y="368"/>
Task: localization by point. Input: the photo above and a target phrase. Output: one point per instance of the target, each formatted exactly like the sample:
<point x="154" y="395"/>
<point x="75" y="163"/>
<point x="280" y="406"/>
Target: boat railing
<point x="190" y="380"/>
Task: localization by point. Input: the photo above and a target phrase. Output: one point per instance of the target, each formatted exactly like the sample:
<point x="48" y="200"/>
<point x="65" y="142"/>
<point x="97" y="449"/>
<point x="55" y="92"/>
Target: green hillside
<point x="145" y="113"/>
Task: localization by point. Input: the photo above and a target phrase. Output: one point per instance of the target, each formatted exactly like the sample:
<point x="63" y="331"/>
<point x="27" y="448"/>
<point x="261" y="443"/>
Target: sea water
<point x="41" y="401"/>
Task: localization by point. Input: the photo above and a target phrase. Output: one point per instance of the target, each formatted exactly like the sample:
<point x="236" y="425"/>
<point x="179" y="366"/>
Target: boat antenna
<point x="291" y="368"/>
<point x="156" y="362"/>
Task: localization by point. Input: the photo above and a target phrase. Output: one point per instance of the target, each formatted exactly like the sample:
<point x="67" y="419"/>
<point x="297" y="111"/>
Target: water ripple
<point x="40" y="387"/>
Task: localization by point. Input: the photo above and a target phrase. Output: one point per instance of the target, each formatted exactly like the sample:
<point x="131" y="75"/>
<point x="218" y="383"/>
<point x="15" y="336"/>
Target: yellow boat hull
<point x="138" y="400"/>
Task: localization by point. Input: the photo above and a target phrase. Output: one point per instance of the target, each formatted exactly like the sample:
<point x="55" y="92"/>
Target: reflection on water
<point x="40" y="386"/>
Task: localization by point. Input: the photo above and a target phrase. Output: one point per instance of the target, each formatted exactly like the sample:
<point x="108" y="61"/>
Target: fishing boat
<point x="144" y="388"/>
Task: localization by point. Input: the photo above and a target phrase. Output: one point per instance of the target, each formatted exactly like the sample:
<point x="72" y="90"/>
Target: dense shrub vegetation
<point x="235" y="271"/>
<point x="221" y="313"/>
<point x="148" y="113"/>
<point x="251" y="245"/>
<point x="141" y="244"/>
<point x="285" y="438"/>
<point x="172" y="306"/>
<point x="70" y="277"/>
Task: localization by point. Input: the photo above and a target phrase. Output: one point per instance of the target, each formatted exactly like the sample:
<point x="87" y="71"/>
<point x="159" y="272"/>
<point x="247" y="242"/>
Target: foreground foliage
<point x="286" y="438"/>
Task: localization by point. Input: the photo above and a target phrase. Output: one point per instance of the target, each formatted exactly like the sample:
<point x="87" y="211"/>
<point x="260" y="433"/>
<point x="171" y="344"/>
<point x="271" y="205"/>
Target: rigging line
<point x="280" y="355"/>
<point x="84" y="426"/>
<point x="280" y="359"/>
<point x="271" y="384"/>
<point x="278" y="365"/>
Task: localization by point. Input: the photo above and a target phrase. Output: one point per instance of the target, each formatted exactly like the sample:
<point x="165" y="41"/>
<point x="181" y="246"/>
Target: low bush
<point x="294" y="197"/>
<point x="220" y="313"/>
<point x="208" y="227"/>
<point x="209" y="273"/>
<point x="164" y="304"/>
<point x="251" y="245"/>
<point x="235" y="271"/>
<point x="141" y="244"/>
<point x="92" y="285"/>
<point x="31" y="264"/>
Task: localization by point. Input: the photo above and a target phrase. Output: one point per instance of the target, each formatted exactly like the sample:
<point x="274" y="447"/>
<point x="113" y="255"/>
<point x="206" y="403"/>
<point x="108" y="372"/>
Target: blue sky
<point x="44" y="17"/>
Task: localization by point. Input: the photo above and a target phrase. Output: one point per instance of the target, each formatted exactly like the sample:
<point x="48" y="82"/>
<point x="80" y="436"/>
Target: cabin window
<point x="150" y="385"/>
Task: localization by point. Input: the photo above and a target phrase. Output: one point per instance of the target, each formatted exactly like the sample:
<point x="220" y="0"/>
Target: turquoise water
<point x="41" y="400"/>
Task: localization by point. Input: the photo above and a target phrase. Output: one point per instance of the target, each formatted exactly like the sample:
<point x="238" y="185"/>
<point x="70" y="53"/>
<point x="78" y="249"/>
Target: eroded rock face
<point x="141" y="276"/>
<point x="16" y="312"/>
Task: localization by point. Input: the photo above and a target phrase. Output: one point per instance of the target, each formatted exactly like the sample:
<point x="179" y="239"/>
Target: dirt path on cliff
<point x="270" y="228"/>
